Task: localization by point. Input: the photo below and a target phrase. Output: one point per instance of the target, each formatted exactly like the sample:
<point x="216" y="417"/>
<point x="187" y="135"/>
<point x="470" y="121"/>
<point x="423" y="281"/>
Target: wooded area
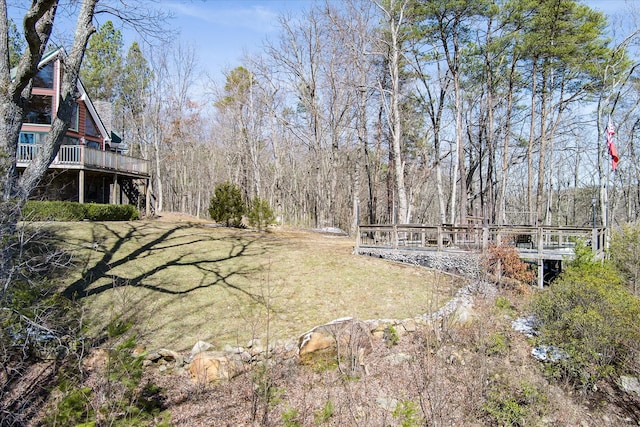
<point x="407" y="112"/>
<point x="473" y="121"/>
<point x="397" y="111"/>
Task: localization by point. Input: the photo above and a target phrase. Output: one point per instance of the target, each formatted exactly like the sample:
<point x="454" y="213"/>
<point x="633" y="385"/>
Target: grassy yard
<point x="183" y="281"/>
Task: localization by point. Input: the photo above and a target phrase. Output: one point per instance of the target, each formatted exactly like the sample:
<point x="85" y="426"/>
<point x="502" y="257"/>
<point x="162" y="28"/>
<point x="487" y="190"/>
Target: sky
<point x="222" y="31"/>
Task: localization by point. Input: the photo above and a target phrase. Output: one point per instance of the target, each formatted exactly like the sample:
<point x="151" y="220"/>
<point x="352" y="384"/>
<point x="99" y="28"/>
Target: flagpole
<point x="605" y="211"/>
<point x="613" y="154"/>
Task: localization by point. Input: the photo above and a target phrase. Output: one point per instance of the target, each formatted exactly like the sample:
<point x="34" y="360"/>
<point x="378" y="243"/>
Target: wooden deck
<point x="534" y="244"/>
<point x="85" y="158"/>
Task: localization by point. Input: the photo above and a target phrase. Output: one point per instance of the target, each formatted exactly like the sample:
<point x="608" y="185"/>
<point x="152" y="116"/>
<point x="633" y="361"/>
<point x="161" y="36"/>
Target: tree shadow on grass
<point x="174" y="243"/>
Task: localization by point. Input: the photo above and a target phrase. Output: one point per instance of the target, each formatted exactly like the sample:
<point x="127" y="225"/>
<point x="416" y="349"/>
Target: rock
<point x="256" y="349"/>
<point x="630" y="384"/>
<point x="139" y="350"/>
<point x="199" y="347"/>
<point x="207" y="367"/>
<point x="398" y="358"/>
<point x="465" y="314"/>
<point x="96" y="360"/>
<point x="153" y="356"/>
<point x="254" y="343"/>
<point x="409" y="325"/>
<point x="386" y="403"/>
<point x="349" y="337"/>
<point x="289" y="346"/>
<point x="169" y="357"/>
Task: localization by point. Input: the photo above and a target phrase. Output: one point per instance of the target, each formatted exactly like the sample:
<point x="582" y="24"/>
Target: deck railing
<point x="533" y="241"/>
<point x="80" y="156"/>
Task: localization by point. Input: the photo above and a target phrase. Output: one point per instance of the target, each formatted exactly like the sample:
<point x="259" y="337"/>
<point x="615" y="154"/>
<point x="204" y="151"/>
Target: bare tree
<point x="394" y="12"/>
<point x="16" y="90"/>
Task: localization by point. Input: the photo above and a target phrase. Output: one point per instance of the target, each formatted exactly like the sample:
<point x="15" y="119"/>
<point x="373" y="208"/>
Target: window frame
<point x="33" y="111"/>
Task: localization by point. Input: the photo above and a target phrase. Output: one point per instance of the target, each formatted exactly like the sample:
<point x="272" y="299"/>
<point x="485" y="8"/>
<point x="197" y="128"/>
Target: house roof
<point x="59" y="54"/>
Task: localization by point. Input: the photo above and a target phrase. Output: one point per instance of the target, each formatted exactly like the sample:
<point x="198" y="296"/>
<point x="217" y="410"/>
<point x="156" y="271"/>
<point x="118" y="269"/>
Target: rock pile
<point x="341" y="337"/>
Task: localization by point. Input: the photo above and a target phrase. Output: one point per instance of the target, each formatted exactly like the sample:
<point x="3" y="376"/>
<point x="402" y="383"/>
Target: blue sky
<point x="222" y="31"/>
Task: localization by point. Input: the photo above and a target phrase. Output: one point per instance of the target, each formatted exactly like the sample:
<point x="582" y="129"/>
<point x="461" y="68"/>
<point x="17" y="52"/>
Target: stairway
<point x="132" y="191"/>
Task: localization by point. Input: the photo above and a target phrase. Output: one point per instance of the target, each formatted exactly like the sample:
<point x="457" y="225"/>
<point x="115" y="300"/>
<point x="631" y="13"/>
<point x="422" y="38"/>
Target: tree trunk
<point x="532" y="127"/>
<point x="396" y="120"/>
<point x="38" y="24"/>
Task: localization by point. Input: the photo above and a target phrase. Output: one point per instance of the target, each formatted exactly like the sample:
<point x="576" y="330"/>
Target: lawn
<point x="183" y="281"/>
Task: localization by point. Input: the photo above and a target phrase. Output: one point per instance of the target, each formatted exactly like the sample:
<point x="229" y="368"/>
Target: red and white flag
<point x="613" y="152"/>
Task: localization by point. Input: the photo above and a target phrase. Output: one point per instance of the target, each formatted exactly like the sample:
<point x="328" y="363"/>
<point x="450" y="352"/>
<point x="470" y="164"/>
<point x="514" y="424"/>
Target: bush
<point x="513" y="404"/>
<point x="73" y="211"/>
<point x="505" y="260"/>
<point x="36" y="323"/>
<point x="589" y="315"/>
<point x="260" y="214"/>
<point x="53" y="211"/>
<point x="119" y="395"/>
<point x="99" y="212"/>
<point x="625" y="254"/>
<point x="226" y="205"/>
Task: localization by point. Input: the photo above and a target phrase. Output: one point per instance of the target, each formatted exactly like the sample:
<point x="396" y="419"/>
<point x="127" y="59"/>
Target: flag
<point x="613" y="152"/>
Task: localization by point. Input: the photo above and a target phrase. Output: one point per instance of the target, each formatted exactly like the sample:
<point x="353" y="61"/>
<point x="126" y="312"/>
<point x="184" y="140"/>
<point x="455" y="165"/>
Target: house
<point x="91" y="165"/>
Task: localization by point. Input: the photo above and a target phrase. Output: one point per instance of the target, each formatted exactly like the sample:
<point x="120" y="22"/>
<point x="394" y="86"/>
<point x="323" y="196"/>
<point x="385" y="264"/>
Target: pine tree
<point x="135" y="80"/>
<point x="16" y="44"/>
<point x="102" y="65"/>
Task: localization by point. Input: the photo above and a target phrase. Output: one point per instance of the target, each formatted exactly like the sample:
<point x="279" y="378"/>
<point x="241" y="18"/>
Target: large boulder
<point x="344" y="339"/>
<point x="207" y="367"/>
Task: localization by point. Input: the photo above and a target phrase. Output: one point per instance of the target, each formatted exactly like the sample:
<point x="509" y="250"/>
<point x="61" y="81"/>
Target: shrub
<point x="497" y="344"/>
<point x="391" y="336"/>
<point x="407" y="413"/>
<point x="119" y="396"/>
<point x="53" y="211"/>
<point x="226" y="205"/>
<point x="290" y="418"/>
<point x="505" y="259"/>
<point x="99" y="212"/>
<point x="260" y="214"/>
<point x="323" y="415"/>
<point x="514" y="404"/>
<point x="589" y="315"/>
<point x="73" y="211"/>
<point x="625" y="254"/>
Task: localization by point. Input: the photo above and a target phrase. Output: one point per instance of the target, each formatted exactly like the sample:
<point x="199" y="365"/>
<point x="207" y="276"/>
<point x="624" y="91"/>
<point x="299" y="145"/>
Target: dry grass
<point x="183" y="281"/>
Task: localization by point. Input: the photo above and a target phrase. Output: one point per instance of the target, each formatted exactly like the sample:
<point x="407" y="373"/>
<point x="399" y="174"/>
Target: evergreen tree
<point x="16" y="44"/>
<point x="135" y="81"/>
<point x="132" y="99"/>
<point x="226" y="205"/>
<point x="102" y="65"/>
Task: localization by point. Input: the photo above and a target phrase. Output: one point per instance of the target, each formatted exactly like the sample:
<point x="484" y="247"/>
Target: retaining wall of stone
<point x="465" y="264"/>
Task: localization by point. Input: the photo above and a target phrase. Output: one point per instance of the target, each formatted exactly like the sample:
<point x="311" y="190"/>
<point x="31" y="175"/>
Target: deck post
<point x="540" y="257"/>
<point x="395" y="236"/>
<point x="114" y="189"/>
<point x="81" y="186"/>
<point x="485" y="238"/>
<point x="540" y="272"/>
<point x="147" y="198"/>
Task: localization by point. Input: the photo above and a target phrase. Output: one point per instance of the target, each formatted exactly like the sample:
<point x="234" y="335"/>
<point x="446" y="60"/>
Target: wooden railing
<point x="531" y="242"/>
<point x="80" y="157"/>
